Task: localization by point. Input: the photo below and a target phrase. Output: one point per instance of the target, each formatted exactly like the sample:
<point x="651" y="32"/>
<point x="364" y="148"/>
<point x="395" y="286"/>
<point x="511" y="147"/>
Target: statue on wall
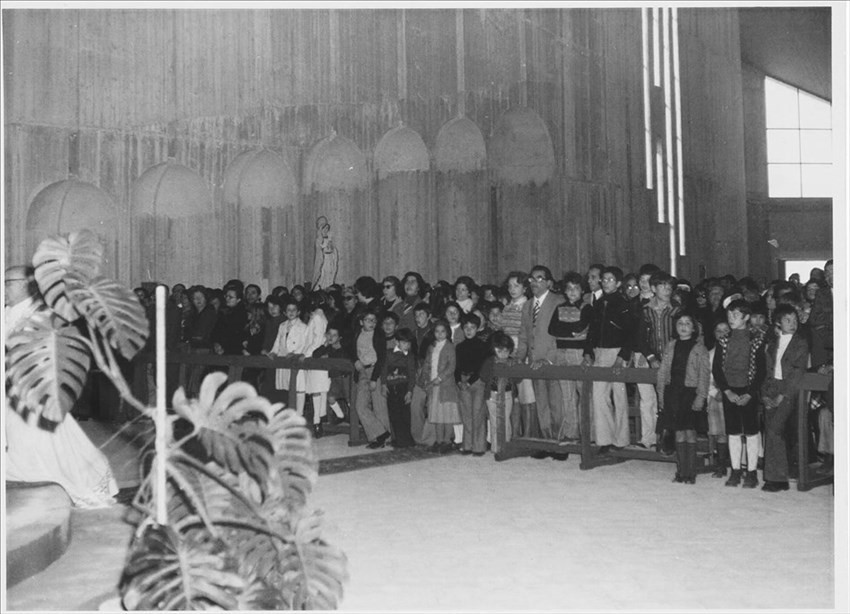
<point x="326" y="262"/>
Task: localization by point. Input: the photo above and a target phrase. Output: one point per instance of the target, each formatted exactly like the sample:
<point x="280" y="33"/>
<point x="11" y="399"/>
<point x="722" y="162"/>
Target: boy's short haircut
<point x="494" y="305"/>
<point x="662" y="277"/>
<point x="740" y="305"/>
<point x="784" y="310"/>
<point x="422" y="307"/>
<point x="471" y="318"/>
<point x="405" y="334"/>
<point x="502" y="340"/>
<point x="390" y="315"/>
<point x="616" y="271"/>
<point x="573" y="277"/>
<point x="648" y="269"/>
<point x="334" y="325"/>
<point x="598" y="266"/>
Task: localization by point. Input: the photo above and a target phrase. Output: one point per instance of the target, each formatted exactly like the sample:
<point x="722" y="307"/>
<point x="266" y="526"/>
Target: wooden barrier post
<point x="806" y="479"/>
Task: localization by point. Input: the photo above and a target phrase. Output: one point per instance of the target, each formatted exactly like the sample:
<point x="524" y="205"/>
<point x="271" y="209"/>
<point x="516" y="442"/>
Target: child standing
<point x="399" y="376"/>
<point x="524" y="420"/>
<point x="738" y="369"/>
<point x="436" y="377"/>
<point x="292" y="339"/>
<point x="421" y="429"/>
<point x="371" y="351"/>
<point x="787" y="362"/>
<point x="717" y="444"/>
<point x="503" y="347"/>
<point x="608" y="344"/>
<point x="569" y="325"/>
<point x="329" y="390"/>
<point x="683" y="384"/>
<point x="471" y="354"/>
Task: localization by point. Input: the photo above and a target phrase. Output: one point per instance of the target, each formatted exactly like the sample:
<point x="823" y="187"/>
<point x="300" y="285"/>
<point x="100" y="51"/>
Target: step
<point x="38" y="528"/>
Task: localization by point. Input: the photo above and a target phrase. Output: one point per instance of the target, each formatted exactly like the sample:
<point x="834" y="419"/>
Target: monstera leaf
<point x="46" y="367"/>
<point x="295" y="466"/>
<point x="318" y="569"/>
<point x="232" y="425"/>
<point x="60" y="263"/>
<point x="261" y="596"/>
<point x="167" y="571"/>
<point x="114" y="310"/>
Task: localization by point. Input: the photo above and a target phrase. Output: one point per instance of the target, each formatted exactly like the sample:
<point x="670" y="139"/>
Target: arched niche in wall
<point x="463" y="214"/>
<point x="260" y="200"/>
<point x="71" y="205"/>
<point x="336" y="187"/>
<point x="402" y="165"/>
<point x="522" y="159"/>
<point x="175" y="229"/>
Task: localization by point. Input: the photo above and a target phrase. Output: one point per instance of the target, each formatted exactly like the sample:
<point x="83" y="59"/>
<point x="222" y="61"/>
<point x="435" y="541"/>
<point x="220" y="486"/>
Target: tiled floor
<point x="457" y="533"/>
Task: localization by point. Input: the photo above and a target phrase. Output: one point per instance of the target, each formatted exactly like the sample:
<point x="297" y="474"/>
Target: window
<point x="799" y="142"/>
<point x="803" y="268"/>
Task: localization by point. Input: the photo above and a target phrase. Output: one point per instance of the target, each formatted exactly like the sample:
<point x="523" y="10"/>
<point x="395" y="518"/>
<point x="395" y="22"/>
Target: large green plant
<point x="239" y="533"/>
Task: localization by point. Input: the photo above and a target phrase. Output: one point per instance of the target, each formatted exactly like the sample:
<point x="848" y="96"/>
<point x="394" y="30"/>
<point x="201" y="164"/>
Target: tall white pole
<point x="160" y="488"/>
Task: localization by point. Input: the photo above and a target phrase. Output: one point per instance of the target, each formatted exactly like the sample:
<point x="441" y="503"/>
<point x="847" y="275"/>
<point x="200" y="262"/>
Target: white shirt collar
<point x="542" y="297"/>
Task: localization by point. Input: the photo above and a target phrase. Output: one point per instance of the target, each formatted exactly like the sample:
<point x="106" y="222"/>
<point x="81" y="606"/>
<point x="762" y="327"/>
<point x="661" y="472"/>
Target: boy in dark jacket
<point x="399" y="376"/>
<point x="787" y="357"/>
<point x="471" y="354"/>
<point x="608" y="344"/>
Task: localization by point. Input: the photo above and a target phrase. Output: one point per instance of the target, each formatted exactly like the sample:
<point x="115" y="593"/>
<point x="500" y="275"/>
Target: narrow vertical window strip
<point x="672" y="250"/>
<point x="680" y="186"/>
<point x="647" y="117"/>
<point x="668" y="121"/>
<point x="656" y="55"/>
<point x="659" y="175"/>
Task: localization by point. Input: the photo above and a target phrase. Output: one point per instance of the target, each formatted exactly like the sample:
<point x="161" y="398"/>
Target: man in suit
<point x="537" y="348"/>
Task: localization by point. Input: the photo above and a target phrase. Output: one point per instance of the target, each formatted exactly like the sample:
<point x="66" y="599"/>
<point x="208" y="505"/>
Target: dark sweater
<point x="471" y="354"/>
<point x="328" y="351"/>
<point x="400" y="370"/>
<point x="569" y="324"/>
<point x="230" y="330"/>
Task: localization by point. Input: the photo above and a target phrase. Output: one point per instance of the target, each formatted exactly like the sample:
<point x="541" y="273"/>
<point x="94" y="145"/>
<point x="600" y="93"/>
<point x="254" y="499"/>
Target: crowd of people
<point x="729" y="355"/>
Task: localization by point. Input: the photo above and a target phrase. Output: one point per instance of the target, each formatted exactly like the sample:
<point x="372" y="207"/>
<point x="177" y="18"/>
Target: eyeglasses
<point x="537" y="278"/>
<point x="388" y="286"/>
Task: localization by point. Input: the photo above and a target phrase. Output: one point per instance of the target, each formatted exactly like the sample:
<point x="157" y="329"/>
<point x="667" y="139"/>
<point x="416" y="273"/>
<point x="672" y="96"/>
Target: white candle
<point x="160" y="490"/>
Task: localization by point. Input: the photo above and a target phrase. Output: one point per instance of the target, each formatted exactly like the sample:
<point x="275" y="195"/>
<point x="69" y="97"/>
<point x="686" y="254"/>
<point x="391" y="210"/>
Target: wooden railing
<point x="523" y="445"/>
<point x="237" y="364"/>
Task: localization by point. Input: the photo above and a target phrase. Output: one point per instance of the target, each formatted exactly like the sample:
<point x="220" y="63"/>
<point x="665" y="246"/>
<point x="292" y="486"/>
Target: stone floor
<point x="457" y="533"/>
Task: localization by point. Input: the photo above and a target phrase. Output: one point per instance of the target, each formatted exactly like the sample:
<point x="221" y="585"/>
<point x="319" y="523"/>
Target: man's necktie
<point x="536" y="312"/>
